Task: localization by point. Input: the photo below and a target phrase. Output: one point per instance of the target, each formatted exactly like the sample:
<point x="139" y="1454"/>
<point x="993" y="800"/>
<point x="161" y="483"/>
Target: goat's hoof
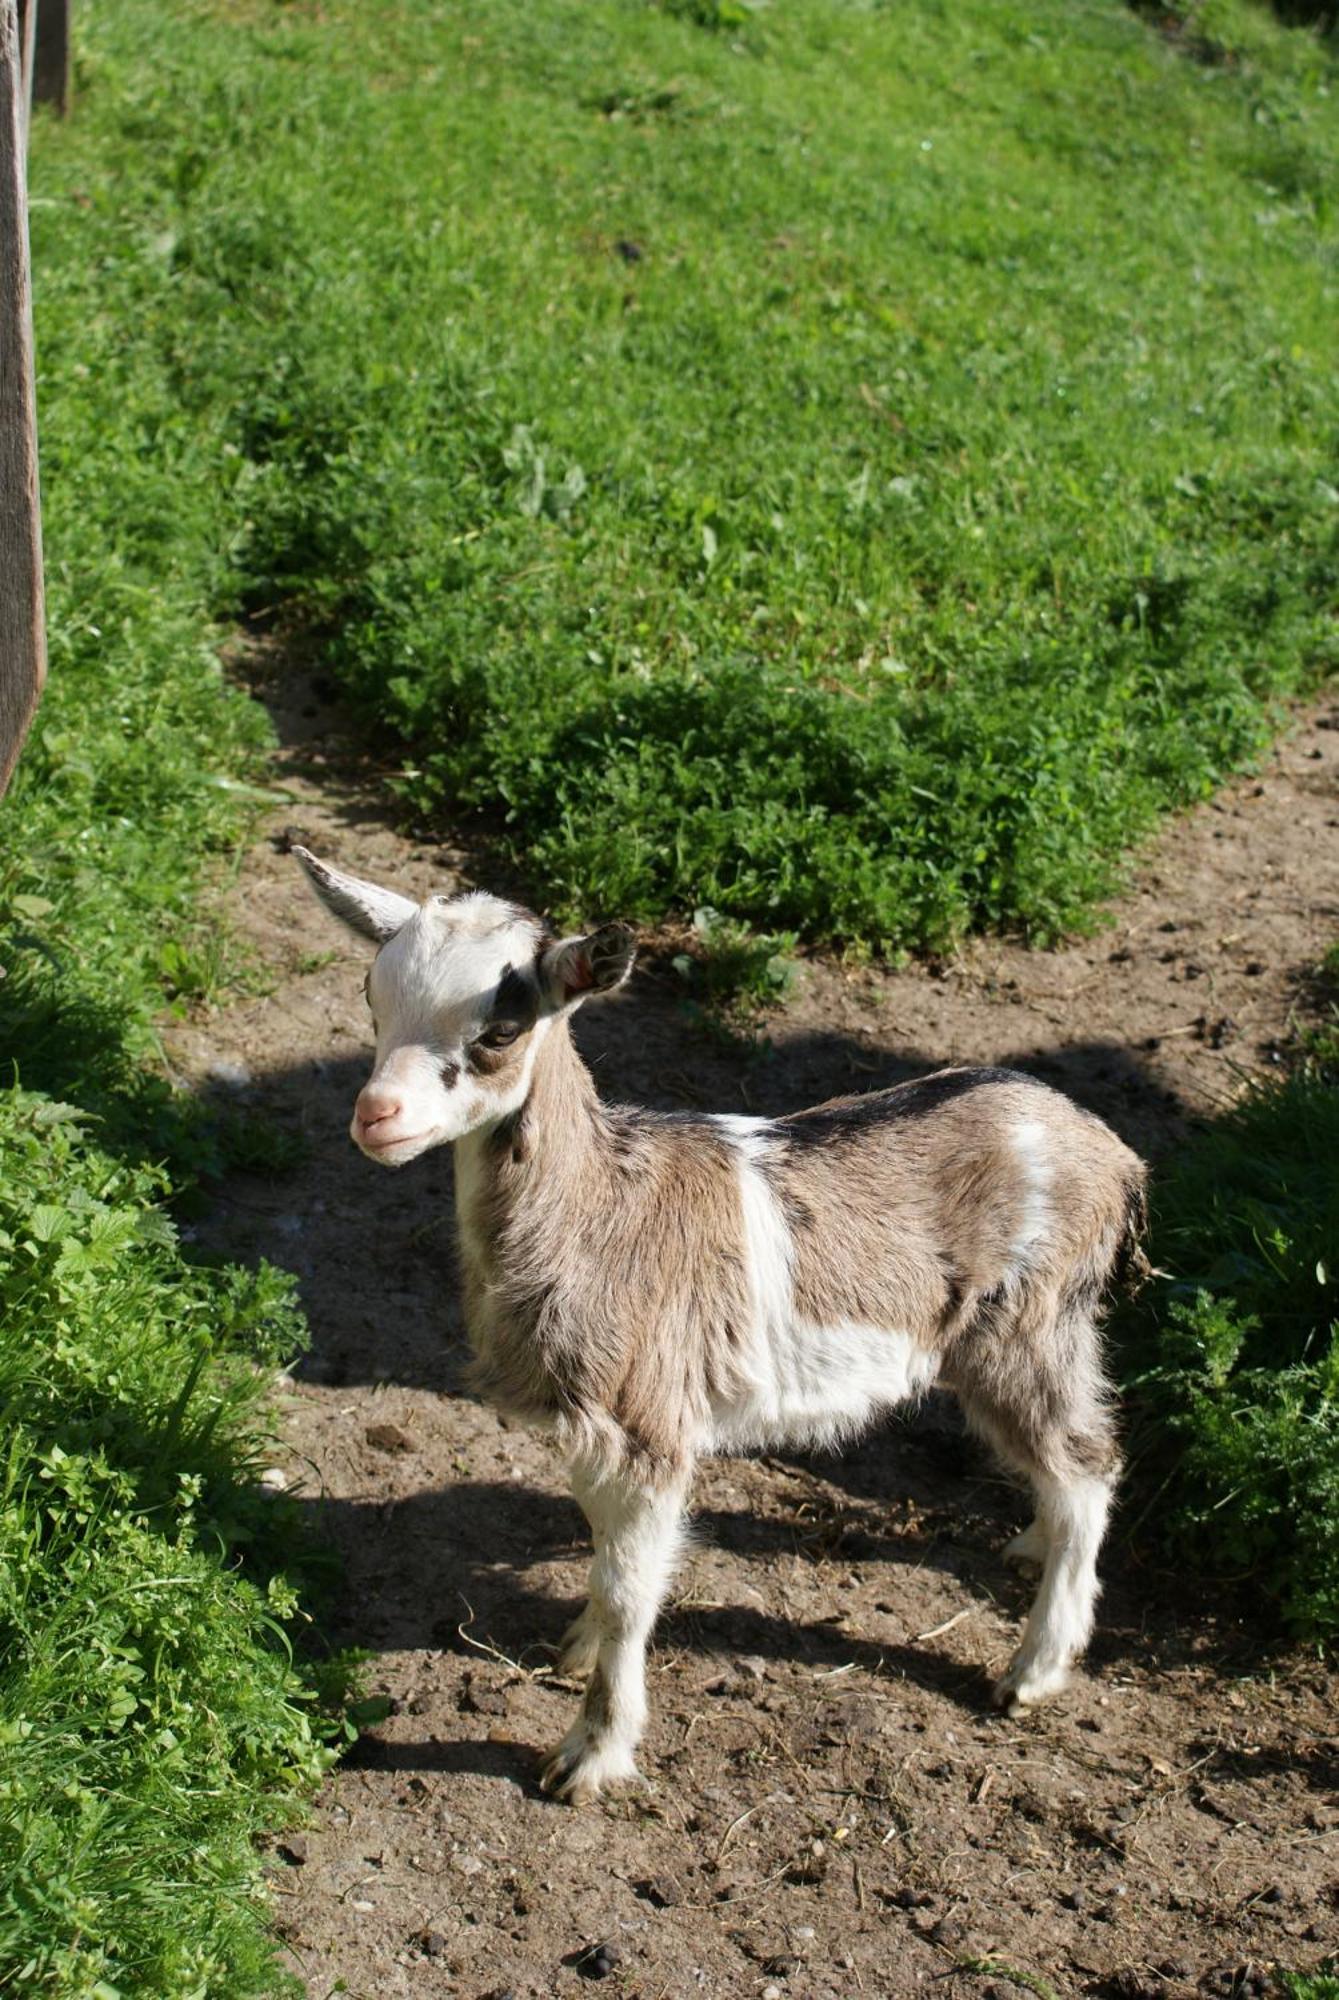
<point x="1027" y="1550"/>
<point x="579" y="1651"/>
<point x="1025" y="1685"/>
<point x="579" y="1772"/>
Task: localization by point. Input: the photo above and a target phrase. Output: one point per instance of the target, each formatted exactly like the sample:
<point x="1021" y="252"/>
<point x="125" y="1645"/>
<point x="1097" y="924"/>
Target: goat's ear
<point x="580" y="966"/>
<point x="373" y="912"/>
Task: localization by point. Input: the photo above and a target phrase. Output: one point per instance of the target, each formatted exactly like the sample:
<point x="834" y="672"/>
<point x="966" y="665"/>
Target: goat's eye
<point x="501" y="1035"/>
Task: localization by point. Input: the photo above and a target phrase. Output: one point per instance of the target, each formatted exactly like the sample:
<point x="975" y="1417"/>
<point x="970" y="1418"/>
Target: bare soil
<point x="832" y="1807"/>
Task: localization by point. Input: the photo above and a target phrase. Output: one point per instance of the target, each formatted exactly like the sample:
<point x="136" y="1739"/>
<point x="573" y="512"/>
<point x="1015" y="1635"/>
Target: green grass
<point x="1232" y="1363"/>
<point x="151" y="1721"/>
<point x="849" y="467"/>
<point x="1322" y="1985"/>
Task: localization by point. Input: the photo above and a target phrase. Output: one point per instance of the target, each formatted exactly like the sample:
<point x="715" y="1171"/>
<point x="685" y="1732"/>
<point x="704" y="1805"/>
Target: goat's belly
<point x="811" y="1384"/>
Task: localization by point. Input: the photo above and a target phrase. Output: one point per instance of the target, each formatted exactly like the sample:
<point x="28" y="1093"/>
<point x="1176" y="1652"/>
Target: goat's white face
<point x="461" y="993"/>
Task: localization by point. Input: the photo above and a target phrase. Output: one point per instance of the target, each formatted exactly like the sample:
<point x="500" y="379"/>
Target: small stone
<point x="431" y="1943"/>
<point x="233" y="1075"/>
<point x="752" y="1668"/>
<point x="1073" y="1899"/>
<point x="599" y="1961"/>
<point x="293" y="1848"/>
<point x="387" y="1437"/>
<point x="466" y="1864"/>
<point x="273" y="1480"/>
<point x="772" y="1992"/>
<point x="1273" y="1894"/>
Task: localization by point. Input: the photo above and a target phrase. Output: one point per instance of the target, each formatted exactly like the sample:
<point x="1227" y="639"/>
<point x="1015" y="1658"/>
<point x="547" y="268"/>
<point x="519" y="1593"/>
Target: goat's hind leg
<point x="638" y="1530"/>
<point x="1074" y="1511"/>
<point x="1030" y="1547"/>
<point x="580" y="1646"/>
<point x="1034" y="1388"/>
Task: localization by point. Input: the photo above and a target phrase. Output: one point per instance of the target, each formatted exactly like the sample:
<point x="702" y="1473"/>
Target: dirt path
<point x="833" y="1809"/>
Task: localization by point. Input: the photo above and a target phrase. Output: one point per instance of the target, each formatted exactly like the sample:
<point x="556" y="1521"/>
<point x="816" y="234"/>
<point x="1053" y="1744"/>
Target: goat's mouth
<point x="397" y="1152"/>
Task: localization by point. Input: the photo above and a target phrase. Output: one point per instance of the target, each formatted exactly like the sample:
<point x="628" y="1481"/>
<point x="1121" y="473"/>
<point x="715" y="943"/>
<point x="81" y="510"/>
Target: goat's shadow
<point x="453" y="1569"/>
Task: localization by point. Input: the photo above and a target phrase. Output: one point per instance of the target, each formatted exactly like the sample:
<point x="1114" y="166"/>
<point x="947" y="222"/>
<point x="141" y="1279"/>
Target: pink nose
<point x="375" y="1107"/>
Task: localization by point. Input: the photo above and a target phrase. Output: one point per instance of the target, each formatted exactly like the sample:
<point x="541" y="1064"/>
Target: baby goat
<point x="650" y="1288"/>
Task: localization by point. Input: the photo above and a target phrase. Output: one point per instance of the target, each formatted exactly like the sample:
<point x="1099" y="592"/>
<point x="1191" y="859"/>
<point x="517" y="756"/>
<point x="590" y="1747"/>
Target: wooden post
<point x="22" y="633"/>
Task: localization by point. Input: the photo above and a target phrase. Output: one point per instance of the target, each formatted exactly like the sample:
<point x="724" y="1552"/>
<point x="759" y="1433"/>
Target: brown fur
<point x="903" y="1206"/>
<point x="604" y="1255"/>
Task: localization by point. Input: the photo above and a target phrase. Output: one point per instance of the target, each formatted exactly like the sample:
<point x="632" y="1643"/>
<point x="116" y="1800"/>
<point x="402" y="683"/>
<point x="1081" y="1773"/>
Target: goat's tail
<point x="1131" y="1268"/>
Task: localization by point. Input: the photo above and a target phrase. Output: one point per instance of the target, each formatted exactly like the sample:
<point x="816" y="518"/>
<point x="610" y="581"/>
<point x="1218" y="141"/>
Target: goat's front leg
<point x="637" y="1532"/>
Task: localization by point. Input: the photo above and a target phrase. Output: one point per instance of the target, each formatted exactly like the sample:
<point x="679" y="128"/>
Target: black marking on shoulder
<point x="845" y="1117"/>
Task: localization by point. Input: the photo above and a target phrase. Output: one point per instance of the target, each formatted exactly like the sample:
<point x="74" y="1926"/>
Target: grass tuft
<point x="1232" y="1365"/>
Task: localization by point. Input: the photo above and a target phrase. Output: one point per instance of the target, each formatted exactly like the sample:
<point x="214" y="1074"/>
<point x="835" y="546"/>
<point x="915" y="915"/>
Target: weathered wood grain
<point x="22" y="634"/>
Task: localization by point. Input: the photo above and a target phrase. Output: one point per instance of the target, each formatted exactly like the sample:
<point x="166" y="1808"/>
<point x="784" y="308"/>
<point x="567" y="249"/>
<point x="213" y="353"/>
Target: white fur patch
<point x="440" y="968"/>
<point x="1029" y="1143"/>
<point x="800" y="1381"/>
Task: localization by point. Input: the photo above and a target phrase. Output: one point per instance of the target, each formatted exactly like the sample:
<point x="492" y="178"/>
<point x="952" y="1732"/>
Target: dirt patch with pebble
<point x="831" y="1808"/>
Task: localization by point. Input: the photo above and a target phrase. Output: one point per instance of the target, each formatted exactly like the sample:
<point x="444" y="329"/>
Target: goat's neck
<point x="556" y="1141"/>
